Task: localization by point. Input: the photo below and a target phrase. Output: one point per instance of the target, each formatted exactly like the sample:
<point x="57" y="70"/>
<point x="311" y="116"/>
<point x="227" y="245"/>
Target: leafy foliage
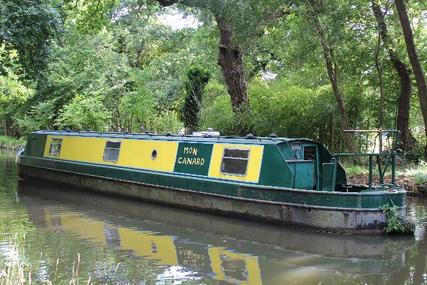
<point x="197" y="80"/>
<point x="396" y="223"/>
<point x="29" y="26"/>
<point x="113" y="65"/>
<point x="84" y="114"/>
<point x="14" y="91"/>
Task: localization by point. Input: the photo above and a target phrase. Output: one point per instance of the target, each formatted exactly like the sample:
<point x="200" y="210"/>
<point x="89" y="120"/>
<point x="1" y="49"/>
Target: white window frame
<point x="111" y="148"/>
<point x="55" y="142"/>
<point x="236" y="158"/>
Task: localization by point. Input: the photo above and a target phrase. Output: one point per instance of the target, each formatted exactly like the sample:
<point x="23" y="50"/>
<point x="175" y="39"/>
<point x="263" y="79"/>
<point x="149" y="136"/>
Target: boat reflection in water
<point x="227" y="250"/>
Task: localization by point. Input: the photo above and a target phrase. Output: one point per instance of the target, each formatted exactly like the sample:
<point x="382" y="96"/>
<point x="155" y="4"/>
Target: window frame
<point x="55" y="142"/>
<point x="235" y="158"/>
<point x="111" y="148"/>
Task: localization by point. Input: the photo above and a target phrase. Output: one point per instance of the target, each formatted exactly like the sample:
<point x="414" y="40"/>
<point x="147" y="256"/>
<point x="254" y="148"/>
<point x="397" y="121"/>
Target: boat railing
<point x="380" y="159"/>
<point x="390" y="161"/>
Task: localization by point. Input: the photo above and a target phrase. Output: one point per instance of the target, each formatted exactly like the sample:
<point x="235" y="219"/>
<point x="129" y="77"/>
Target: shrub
<point x="84" y="113"/>
<point x="165" y="122"/>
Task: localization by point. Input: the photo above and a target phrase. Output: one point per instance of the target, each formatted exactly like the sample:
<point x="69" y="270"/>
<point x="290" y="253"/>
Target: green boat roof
<point x="249" y="139"/>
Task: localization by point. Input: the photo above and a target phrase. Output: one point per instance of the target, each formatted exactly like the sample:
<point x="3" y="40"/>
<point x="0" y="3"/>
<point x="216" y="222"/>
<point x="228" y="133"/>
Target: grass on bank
<point x="11" y="143"/>
<point x="418" y="174"/>
<point x="16" y="269"/>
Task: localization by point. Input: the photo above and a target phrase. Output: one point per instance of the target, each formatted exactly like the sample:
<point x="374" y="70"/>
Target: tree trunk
<point x="231" y="62"/>
<point x="415" y="62"/>
<point x="332" y="70"/>
<point x="230" y="57"/>
<point x="404" y="73"/>
<point x="380" y="72"/>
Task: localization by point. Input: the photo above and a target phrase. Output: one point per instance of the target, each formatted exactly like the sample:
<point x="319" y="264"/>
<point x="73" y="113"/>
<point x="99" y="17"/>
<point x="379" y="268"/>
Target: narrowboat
<point x="272" y="179"/>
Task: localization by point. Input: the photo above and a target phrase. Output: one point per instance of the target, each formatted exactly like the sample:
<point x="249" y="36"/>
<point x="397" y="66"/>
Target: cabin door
<point x="311" y="158"/>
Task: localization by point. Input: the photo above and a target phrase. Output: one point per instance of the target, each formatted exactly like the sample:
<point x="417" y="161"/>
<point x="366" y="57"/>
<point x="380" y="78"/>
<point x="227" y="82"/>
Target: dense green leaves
<point x="119" y="65"/>
<point x="30" y="26"/>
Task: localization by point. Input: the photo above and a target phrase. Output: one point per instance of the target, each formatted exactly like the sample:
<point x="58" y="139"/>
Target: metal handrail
<point x="391" y="161"/>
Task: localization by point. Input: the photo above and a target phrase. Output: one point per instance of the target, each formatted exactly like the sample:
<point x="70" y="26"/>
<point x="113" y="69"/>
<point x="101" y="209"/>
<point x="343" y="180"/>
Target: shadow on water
<point x="223" y="250"/>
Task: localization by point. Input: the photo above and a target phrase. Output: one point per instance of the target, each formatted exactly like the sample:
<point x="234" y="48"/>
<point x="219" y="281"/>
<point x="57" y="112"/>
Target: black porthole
<point x="154" y="154"/>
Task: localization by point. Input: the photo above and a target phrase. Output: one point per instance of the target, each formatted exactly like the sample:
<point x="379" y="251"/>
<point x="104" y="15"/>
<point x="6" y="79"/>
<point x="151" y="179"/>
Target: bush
<point x="165" y="122"/>
<point x="216" y="109"/>
<point x="396" y="223"/>
<point x="39" y="117"/>
<point x="84" y="114"/>
<point x="277" y="107"/>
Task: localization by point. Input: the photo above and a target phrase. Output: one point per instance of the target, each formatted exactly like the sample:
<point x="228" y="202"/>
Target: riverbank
<point x="12" y="143"/>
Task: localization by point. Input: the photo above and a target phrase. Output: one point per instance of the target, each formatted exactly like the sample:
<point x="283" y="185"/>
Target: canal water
<point x="64" y="235"/>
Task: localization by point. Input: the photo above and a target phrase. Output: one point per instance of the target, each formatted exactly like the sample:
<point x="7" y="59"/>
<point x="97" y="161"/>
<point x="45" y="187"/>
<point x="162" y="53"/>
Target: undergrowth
<point x="417" y="174"/>
<point x="397" y="223"/>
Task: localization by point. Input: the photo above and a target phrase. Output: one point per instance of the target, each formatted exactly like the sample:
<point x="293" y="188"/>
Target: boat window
<point x="309" y="153"/>
<point x="235" y="161"/>
<point x="296" y="148"/>
<point x="154" y="154"/>
<point x="111" y="152"/>
<point x="55" y="147"/>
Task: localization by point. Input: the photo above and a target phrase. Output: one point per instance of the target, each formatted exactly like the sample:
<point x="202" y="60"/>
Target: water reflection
<point x="197" y="248"/>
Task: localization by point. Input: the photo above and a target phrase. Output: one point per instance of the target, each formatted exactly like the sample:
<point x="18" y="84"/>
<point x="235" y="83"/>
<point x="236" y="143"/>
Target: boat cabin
<point x="268" y="161"/>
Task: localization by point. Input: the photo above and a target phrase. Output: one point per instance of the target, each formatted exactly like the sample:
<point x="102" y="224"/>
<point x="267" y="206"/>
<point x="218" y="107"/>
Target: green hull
<point x="327" y="210"/>
<point x="279" y="180"/>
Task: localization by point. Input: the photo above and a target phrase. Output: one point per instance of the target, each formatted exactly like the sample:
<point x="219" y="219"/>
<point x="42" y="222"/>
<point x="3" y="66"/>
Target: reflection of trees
<point x="420" y="263"/>
<point x="415" y="258"/>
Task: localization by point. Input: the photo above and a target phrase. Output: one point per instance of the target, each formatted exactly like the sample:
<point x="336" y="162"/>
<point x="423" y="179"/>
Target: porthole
<point x="154" y="154"/>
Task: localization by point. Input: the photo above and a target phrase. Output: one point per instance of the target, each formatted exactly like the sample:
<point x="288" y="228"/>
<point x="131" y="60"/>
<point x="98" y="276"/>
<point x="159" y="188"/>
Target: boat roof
<point x="249" y="139"/>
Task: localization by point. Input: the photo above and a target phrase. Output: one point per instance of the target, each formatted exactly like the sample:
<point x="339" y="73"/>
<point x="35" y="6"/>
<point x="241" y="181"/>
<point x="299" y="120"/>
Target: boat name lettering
<point x="190" y="150"/>
<point x="191" y="160"/>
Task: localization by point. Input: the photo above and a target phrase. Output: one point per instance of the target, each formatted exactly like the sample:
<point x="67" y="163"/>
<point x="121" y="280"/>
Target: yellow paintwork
<point x="133" y="153"/>
<point x="138" y="154"/>
<point x="254" y="163"/>
<point x="218" y="254"/>
<point x="142" y="243"/>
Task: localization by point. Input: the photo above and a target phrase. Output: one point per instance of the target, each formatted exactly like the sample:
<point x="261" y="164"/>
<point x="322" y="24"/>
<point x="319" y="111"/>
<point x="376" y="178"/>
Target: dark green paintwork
<point x="304" y="174"/>
<point x="193" y="158"/>
<point x="328" y="179"/>
<point x="274" y="169"/>
<point x="362" y="200"/>
<point x="282" y="176"/>
<point x="35" y="145"/>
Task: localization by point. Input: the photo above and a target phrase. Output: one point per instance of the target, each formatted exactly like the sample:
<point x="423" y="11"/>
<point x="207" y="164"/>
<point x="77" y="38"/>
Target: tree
<point x="404" y="74"/>
<point x="29" y="26"/>
<point x="251" y="17"/>
<point x="415" y="62"/>
<point x="314" y="9"/>
<point x="197" y="80"/>
<point x="14" y="90"/>
<point x="230" y="58"/>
